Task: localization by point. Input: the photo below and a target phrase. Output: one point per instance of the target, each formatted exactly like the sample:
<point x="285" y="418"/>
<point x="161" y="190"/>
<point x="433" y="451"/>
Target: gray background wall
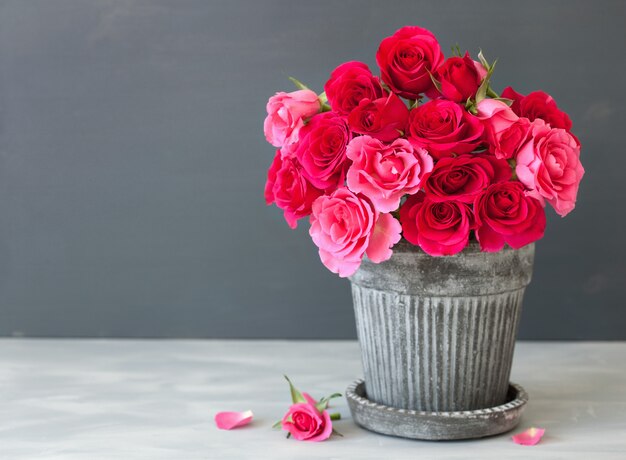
<point x="132" y="160"/>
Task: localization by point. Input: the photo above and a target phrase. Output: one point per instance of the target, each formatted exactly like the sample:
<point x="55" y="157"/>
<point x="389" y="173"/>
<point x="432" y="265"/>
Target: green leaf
<point x="298" y="83"/>
<point x="456" y="50"/>
<point x="513" y="165"/>
<point x="277" y="424"/>
<point x="323" y="98"/>
<point x="482" y="89"/>
<point x="483" y="61"/>
<point x="322" y="405"/>
<point x="491" y="93"/>
<point x="435" y="82"/>
<point x="296" y="396"/>
<point x="413" y="103"/>
<point x="508" y="102"/>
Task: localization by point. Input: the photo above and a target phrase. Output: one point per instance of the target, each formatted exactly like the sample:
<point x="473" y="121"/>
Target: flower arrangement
<point x="428" y="151"/>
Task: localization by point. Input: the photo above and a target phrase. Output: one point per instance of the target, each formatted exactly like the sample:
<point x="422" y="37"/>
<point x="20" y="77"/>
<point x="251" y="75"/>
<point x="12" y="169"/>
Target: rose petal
<point x="386" y="234"/>
<point x="230" y="420"/>
<point x="530" y="437"/>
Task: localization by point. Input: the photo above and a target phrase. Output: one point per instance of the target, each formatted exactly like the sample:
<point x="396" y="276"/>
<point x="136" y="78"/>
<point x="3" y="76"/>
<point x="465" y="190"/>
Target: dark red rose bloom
<point x="459" y="77"/>
<point x="439" y="228"/>
<point x="349" y="84"/>
<point x="538" y="105"/>
<point x="505" y="214"/>
<point x="287" y="188"/>
<point x="444" y="128"/>
<point x="462" y="178"/>
<point x="321" y="150"/>
<point x="406" y="58"/>
<point x="384" y="118"/>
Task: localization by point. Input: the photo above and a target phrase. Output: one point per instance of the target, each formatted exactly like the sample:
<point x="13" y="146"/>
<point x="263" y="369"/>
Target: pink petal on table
<point x="530" y="437"/>
<point x="230" y="420"/>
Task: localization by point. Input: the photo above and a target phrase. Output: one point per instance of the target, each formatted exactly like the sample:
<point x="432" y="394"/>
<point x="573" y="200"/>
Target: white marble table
<point x="155" y="399"/>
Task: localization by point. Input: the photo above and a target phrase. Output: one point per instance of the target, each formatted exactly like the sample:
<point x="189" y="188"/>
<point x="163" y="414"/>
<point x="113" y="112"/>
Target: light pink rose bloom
<point x="549" y="166"/>
<point x="504" y="130"/>
<point x="306" y="423"/>
<point x="286" y="113"/>
<point x="386" y="172"/>
<point x="345" y="226"/>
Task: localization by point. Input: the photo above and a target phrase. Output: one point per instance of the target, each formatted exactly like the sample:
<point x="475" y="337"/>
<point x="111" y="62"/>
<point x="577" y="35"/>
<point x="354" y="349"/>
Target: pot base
<point x="436" y="426"/>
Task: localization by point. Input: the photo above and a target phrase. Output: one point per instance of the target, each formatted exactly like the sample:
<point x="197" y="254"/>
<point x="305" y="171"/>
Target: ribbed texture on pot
<point x="437" y="352"/>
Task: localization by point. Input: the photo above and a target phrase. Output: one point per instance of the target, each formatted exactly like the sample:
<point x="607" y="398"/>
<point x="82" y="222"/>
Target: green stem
<point x="335" y="416"/>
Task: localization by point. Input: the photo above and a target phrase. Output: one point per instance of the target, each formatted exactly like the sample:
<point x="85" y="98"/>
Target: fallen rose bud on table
<point x="307" y="419"/>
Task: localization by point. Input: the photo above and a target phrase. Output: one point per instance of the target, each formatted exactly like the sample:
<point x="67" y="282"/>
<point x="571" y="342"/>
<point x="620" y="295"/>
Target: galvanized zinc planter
<point x="437" y="334"/>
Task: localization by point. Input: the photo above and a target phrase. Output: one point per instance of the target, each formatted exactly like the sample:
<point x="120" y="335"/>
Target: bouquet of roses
<point x="428" y="151"/>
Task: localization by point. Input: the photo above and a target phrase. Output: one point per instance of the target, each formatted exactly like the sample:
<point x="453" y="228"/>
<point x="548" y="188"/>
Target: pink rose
<point x="348" y="84"/>
<point x="384" y="118"/>
<point x="386" y="172"/>
<point x="444" y="128"/>
<point x="345" y="226"/>
<point x="538" y="105"/>
<point x="462" y="178"/>
<point x="322" y="150"/>
<point x="306" y="423"/>
<point x="439" y="228"/>
<point x="459" y="77"/>
<point x="505" y="214"/>
<point x="287" y="188"/>
<point x="506" y="143"/>
<point x="286" y="113"/>
<point x="406" y="58"/>
<point x="549" y="166"/>
<point x="505" y="131"/>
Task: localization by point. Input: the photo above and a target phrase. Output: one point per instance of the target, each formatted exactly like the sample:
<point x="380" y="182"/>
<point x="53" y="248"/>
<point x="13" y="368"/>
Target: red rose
<point x="505" y="214"/>
<point x="322" y="150"/>
<point x="287" y="188"/>
<point x="538" y="105"/>
<point x="444" y="128"/>
<point x="384" y="118"/>
<point x="459" y="77"/>
<point x="406" y="58"/>
<point x="464" y="177"/>
<point x="439" y="228"/>
<point x="348" y="84"/>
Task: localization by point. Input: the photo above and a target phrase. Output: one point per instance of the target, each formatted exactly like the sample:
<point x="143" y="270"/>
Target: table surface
<point x="156" y="399"/>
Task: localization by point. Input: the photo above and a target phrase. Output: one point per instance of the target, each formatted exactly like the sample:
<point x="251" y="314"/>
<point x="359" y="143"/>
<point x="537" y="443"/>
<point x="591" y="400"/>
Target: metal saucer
<point x="436" y="426"/>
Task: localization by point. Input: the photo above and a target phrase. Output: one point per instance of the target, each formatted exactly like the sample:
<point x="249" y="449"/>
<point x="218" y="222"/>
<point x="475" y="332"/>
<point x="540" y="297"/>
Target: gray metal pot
<point x="438" y="333"/>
